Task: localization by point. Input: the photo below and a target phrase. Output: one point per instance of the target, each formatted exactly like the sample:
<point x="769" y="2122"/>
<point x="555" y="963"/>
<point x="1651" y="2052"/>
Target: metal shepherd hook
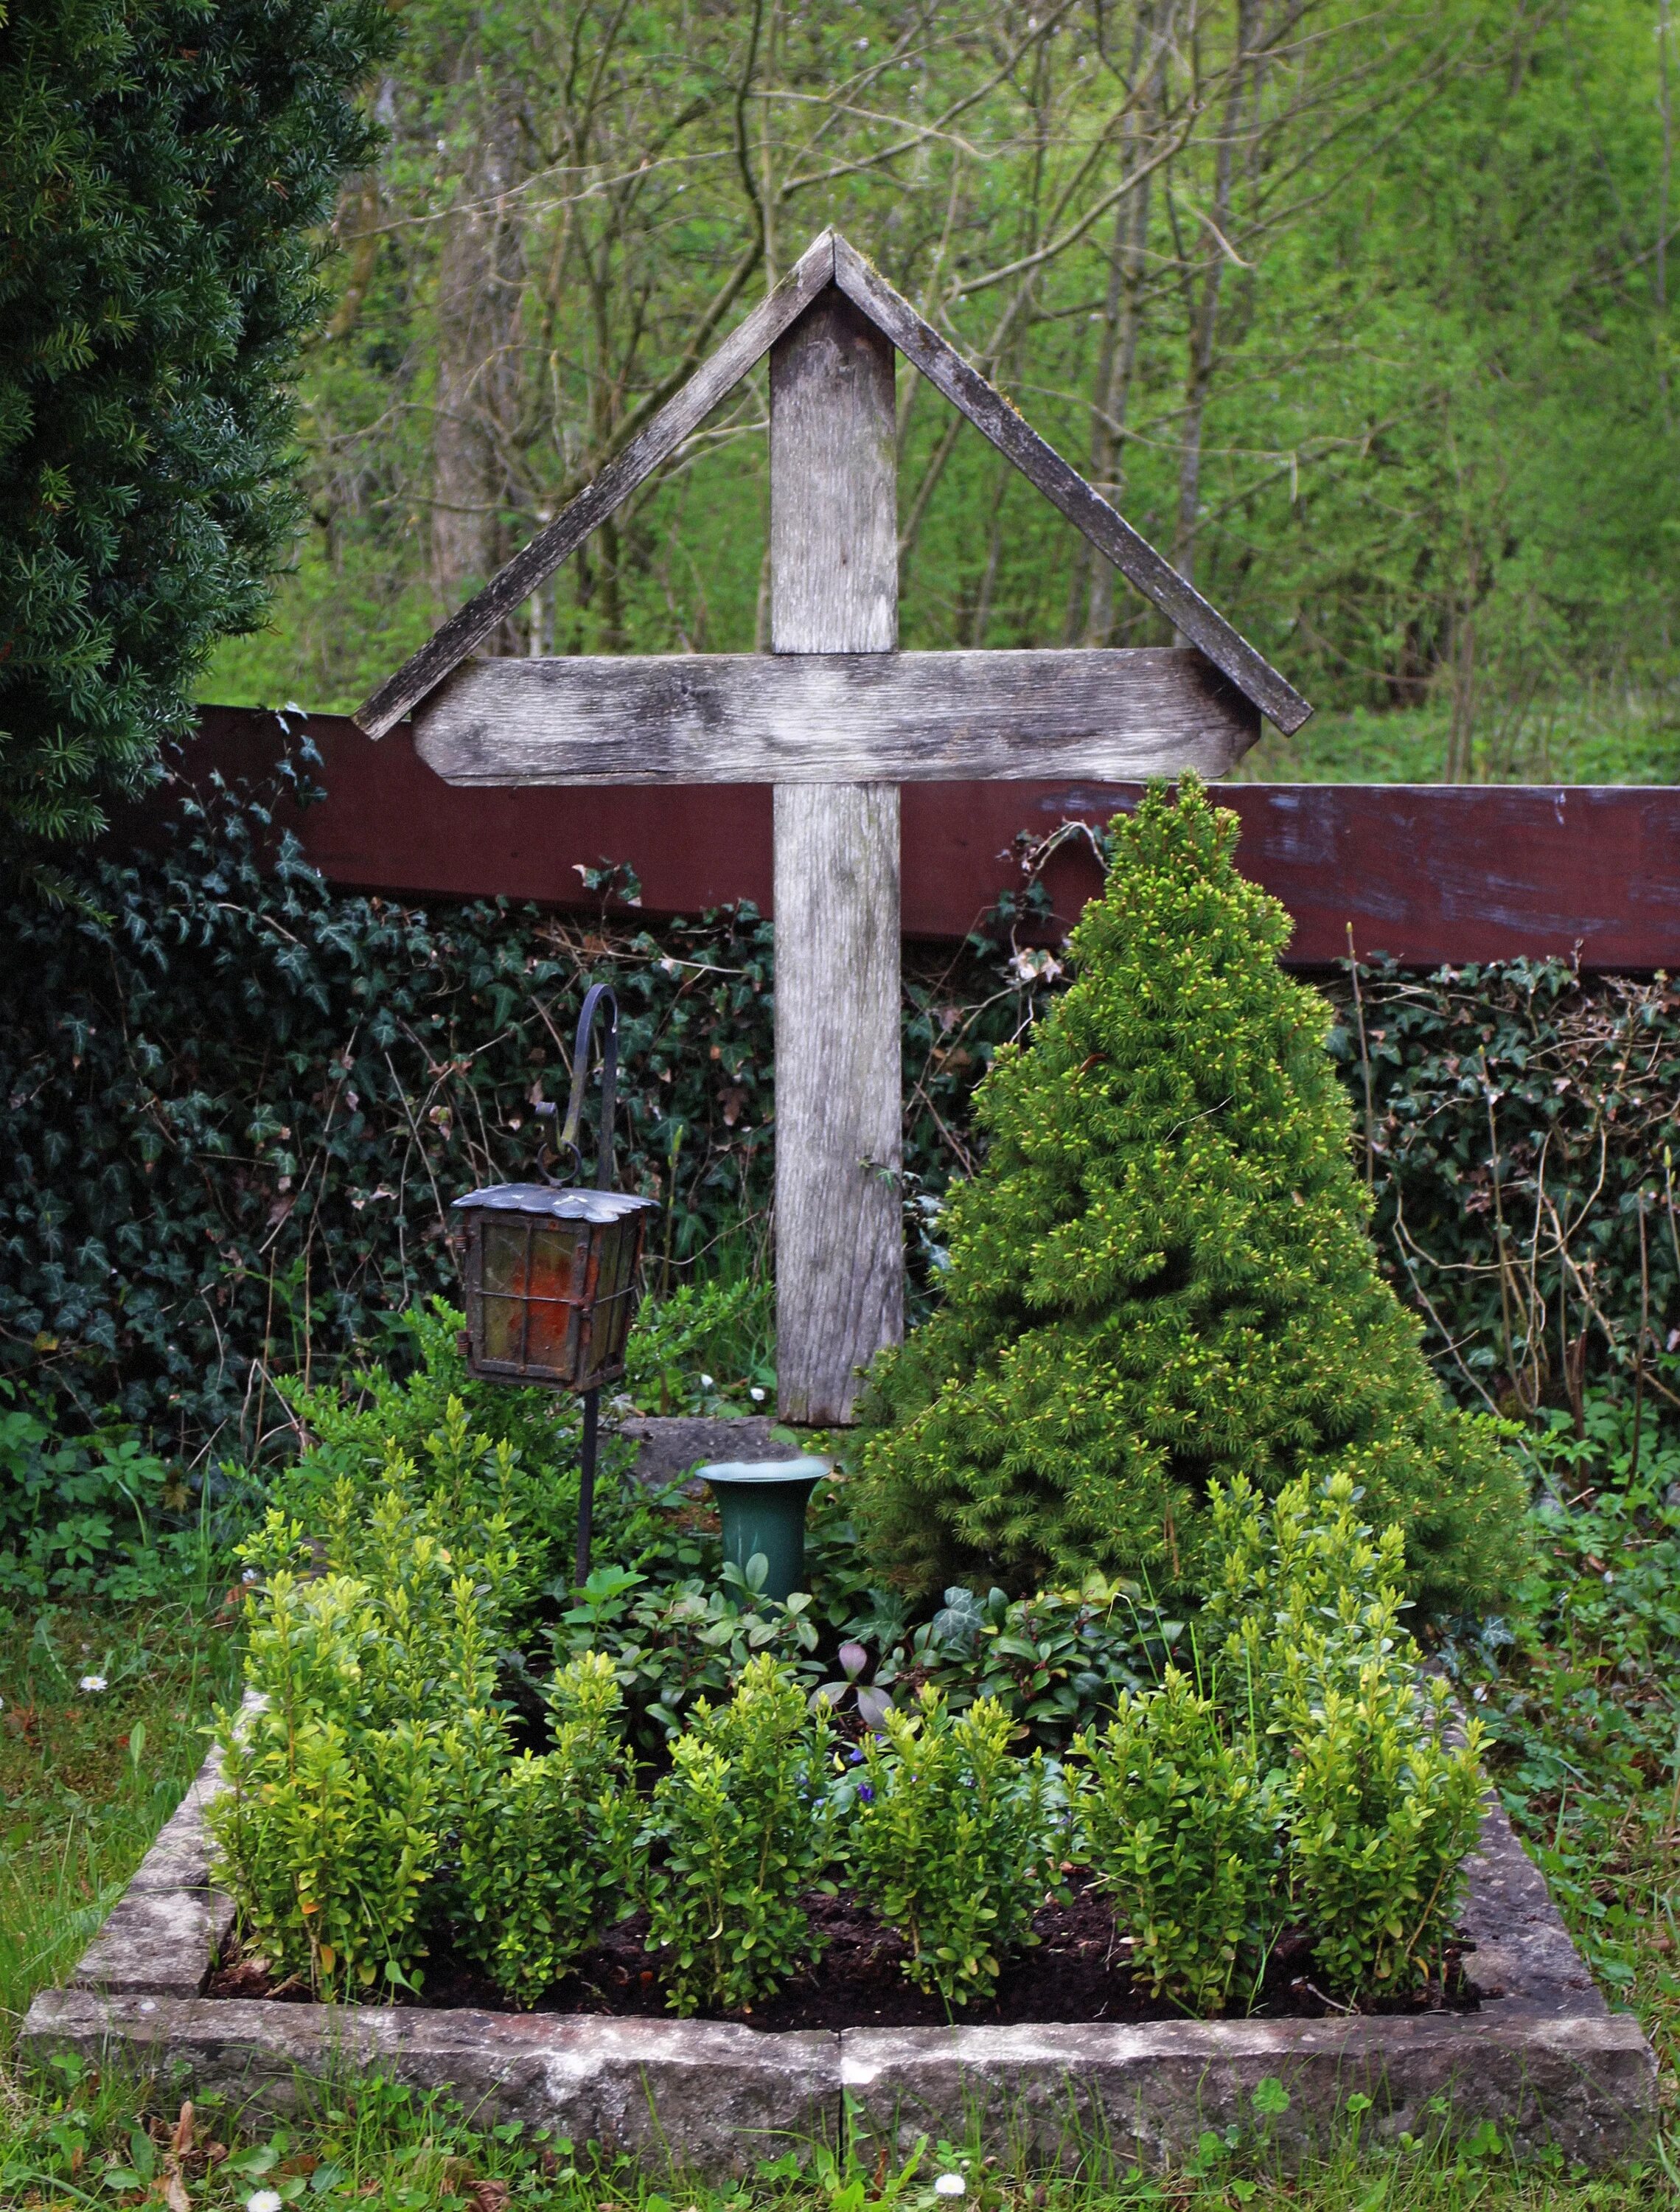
<point x="570" y="1140"/>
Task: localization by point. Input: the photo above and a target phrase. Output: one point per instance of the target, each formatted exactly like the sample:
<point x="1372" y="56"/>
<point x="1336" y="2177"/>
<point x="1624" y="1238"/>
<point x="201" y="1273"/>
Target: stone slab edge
<point x="171" y="1924"/>
<point x="1544" y="2059"/>
<point x="698" y="2097"/>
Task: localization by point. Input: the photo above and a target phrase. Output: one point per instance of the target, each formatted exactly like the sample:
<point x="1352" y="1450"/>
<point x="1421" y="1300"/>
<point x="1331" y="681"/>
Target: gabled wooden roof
<point x="829" y="259"/>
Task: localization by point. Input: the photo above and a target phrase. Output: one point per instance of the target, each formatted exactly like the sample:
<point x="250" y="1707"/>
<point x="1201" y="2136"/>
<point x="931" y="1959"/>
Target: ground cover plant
<point x="1581" y="1740"/>
<point x="94" y="1515"/>
<point x="1161" y="1275"/>
<point x="387" y="1803"/>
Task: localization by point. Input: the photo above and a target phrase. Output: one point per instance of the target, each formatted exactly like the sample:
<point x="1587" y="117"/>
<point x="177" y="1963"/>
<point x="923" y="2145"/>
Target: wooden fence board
<point x="1428" y="873"/>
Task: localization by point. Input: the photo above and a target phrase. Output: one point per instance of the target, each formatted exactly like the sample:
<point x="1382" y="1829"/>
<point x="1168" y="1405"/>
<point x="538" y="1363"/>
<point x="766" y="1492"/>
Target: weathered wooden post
<point x="836" y="718"/>
<point x="833" y="588"/>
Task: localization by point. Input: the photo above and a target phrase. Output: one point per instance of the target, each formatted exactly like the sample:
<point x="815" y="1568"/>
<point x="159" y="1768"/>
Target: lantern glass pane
<point x="550" y="1292"/>
<point x="612" y="1309"/>
<point x="560" y="1252"/>
<point x="504" y="1249"/>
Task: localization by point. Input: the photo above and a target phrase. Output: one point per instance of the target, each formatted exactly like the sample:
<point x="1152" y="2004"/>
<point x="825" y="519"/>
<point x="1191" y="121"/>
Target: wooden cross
<point x="836" y="718"/>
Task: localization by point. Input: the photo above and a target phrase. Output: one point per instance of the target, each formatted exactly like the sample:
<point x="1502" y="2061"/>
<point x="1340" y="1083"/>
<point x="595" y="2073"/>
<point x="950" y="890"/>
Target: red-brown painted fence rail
<point x="1427" y="872"/>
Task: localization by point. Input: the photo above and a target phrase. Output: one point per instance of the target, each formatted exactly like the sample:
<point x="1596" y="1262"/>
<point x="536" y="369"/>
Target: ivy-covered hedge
<point x="1518" y="1124"/>
<point x="234" y="1104"/>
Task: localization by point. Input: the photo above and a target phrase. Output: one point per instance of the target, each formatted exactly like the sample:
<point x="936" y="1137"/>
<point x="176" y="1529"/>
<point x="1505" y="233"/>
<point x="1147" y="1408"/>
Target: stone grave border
<point x="1544" y="2059"/>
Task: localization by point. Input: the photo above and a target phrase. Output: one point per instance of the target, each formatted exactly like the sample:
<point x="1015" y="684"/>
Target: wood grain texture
<point x="678" y="419"/>
<point x="833" y="484"/>
<point x="992" y="415"/>
<point x="839" y="1237"/>
<point x="835" y="718"/>
<point x="834" y="589"/>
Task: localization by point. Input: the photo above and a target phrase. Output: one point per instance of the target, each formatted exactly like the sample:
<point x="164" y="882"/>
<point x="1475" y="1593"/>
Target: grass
<point x="102" y="2140"/>
<point x="88" y="1776"/>
<point x="1606" y="734"/>
<point x="1581" y="1693"/>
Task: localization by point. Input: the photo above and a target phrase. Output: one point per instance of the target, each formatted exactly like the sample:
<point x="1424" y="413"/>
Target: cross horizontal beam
<point x="1118" y="714"/>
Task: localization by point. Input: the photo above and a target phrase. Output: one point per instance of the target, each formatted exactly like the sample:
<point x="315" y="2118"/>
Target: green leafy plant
<point x="547" y="1854"/>
<point x="1382" y="1811"/>
<point x="948" y="1835"/>
<point x="739" y="1827"/>
<point x="489" y="1446"/>
<point x="674" y="1643"/>
<point x="90" y="1515"/>
<point x="329" y="1832"/>
<point x="1161" y="1278"/>
<point x="1380" y="1807"/>
<point x="1174" y="1813"/>
<point x="703" y="1348"/>
<point x="1055" y="1661"/>
<point x="1311" y="1784"/>
<point x="679" y="1625"/>
<point x="378" y="1731"/>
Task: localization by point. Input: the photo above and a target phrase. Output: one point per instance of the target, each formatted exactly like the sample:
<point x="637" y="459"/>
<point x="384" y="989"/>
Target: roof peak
<point x="831" y="259"/>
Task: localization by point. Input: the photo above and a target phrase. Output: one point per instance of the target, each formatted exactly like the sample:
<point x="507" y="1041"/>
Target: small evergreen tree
<point x="1161" y="1276"/>
<point x="163" y="164"/>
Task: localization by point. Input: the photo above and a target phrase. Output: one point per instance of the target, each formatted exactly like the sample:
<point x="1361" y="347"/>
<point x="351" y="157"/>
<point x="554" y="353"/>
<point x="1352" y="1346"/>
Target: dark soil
<point x="1076" y="1972"/>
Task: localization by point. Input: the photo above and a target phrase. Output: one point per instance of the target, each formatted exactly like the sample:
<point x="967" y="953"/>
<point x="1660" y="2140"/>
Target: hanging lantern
<point x="550" y="1278"/>
<point x="551" y="1270"/>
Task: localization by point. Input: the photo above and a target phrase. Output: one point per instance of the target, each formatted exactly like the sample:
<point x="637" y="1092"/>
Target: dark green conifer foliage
<point x="163" y="165"/>
<point x="1162" y="1275"/>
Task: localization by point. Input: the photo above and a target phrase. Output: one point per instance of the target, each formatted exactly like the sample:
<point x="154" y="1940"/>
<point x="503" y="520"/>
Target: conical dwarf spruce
<point x="1162" y="1276"/>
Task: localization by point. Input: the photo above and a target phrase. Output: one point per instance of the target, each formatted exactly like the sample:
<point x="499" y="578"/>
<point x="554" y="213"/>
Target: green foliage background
<point x="1394" y="381"/>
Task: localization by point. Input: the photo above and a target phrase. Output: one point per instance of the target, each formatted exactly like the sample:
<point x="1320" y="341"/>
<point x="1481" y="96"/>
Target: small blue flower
<point x="857" y="1758"/>
<point x="866" y="1793"/>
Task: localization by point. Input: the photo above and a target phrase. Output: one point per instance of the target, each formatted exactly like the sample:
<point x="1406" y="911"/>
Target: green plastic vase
<point x="762" y="1505"/>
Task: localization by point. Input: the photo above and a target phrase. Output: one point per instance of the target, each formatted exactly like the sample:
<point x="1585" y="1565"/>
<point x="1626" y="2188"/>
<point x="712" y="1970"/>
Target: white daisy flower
<point x="265" y="2200"/>
<point x="950" y="2185"/>
<point x="92" y="1682"/>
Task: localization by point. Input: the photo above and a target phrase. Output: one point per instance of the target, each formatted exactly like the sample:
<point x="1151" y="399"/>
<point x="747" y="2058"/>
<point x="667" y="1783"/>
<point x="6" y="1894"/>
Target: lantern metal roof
<point x="598" y="1207"/>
